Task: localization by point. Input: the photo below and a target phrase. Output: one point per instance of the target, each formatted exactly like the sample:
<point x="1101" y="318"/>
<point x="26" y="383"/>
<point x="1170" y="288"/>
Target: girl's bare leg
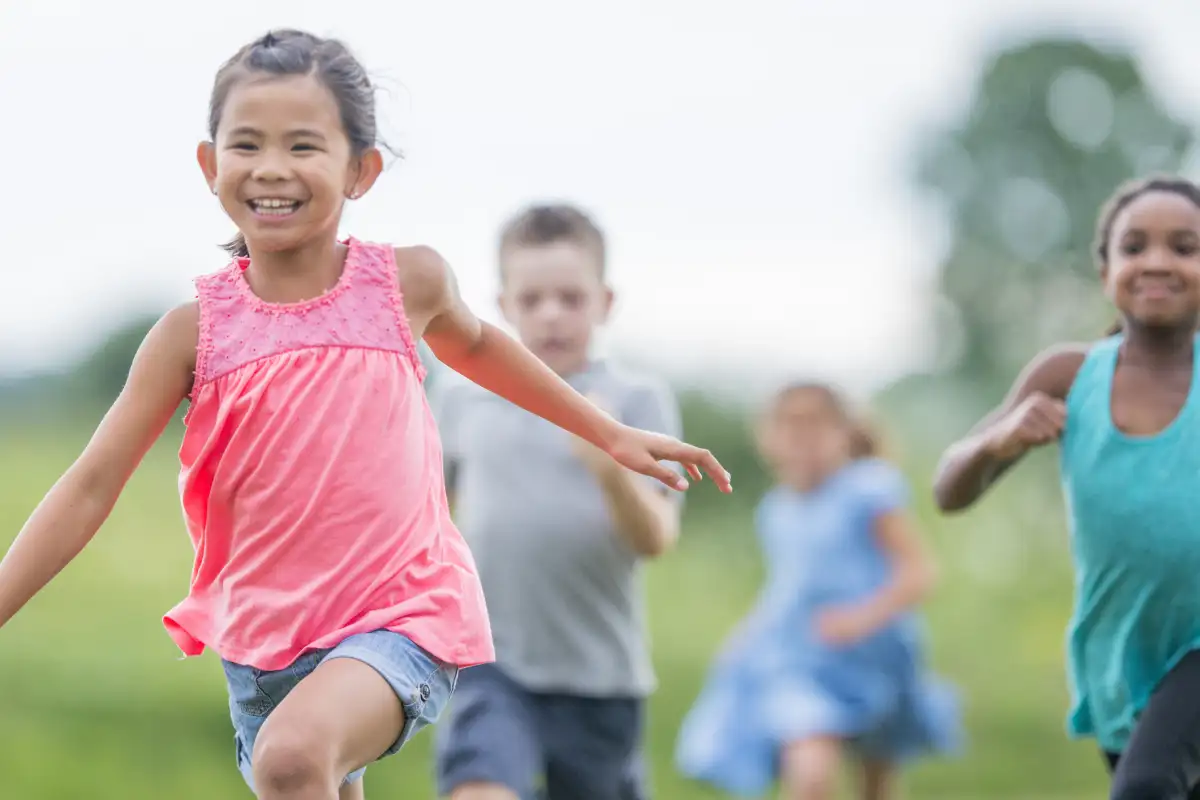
<point x="810" y="769"/>
<point x="341" y="717"/>
<point x="880" y="781"/>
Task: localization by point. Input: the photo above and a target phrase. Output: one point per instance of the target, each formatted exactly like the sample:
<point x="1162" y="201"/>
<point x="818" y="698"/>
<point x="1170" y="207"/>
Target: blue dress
<point x="777" y="682"/>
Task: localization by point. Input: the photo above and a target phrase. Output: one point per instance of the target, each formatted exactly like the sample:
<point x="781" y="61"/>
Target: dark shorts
<point x="1162" y="761"/>
<point x="541" y="746"/>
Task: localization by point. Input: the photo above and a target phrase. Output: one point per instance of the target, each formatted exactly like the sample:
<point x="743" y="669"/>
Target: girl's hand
<point x="1037" y="420"/>
<point x="844" y="625"/>
<point x="641" y="451"/>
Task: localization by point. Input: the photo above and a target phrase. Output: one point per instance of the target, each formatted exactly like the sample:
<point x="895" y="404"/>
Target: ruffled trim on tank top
<point x="236" y="272"/>
<point x="230" y="283"/>
<point x="204" y="347"/>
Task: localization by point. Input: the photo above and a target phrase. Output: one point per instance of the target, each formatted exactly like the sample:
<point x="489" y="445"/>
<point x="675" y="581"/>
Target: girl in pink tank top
<point x="328" y="575"/>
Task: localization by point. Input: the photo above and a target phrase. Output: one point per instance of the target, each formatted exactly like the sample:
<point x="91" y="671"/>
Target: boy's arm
<point x="446" y="403"/>
<point x="75" y="508"/>
<point x="487" y="356"/>
<point x="644" y="515"/>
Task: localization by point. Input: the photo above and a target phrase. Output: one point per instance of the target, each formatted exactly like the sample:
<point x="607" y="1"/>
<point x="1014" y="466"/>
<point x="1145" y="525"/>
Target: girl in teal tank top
<point x="1126" y="413"/>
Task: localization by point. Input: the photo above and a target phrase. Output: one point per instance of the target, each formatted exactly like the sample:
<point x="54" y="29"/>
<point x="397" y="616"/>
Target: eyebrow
<point x="298" y="133"/>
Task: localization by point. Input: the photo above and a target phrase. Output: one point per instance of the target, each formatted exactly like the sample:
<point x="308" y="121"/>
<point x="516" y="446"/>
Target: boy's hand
<point x="595" y="459"/>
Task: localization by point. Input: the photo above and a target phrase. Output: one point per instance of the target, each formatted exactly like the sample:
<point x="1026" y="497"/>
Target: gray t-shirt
<point x="563" y="589"/>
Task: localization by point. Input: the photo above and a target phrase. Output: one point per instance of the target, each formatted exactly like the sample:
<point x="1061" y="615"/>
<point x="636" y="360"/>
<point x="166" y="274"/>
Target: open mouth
<point x="274" y="206"/>
<point x="1158" y="288"/>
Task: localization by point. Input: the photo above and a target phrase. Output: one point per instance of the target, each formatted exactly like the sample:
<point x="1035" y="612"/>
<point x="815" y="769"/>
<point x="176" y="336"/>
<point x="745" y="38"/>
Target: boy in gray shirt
<point x="558" y="531"/>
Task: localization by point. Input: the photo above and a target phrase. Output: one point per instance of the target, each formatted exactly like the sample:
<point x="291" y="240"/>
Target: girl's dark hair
<point x="291" y="52"/>
<point x="865" y="441"/>
<point x="1120" y="200"/>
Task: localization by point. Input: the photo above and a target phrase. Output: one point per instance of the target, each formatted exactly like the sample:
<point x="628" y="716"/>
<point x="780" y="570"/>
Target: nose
<point x="550" y="310"/>
<point x="272" y="165"/>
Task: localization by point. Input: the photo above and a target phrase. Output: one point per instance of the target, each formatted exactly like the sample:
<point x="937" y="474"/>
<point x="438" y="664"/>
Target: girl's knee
<point x="810" y="769"/>
<point x="292" y="763"/>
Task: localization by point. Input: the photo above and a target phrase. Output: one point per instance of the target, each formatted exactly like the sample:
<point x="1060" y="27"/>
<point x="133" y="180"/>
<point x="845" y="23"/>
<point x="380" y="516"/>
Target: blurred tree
<point x="101" y="375"/>
<point x="1055" y="125"/>
<point x="726" y="432"/>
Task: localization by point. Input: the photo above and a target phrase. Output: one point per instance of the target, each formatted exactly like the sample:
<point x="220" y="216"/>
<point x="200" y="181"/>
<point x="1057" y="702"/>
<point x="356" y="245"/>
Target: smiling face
<point x="1152" y="273"/>
<point x="281" y="163"/>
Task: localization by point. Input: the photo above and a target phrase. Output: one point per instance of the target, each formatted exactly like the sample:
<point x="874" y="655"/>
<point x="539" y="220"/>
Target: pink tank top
<point x="311" y="479"/>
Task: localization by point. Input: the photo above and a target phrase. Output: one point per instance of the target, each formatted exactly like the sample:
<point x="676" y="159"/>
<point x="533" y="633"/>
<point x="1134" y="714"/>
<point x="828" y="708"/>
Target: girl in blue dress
<point x="829" y="662"/>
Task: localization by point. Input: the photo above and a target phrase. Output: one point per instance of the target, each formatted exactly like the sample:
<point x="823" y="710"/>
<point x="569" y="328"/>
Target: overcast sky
<point x="749" y="165"/>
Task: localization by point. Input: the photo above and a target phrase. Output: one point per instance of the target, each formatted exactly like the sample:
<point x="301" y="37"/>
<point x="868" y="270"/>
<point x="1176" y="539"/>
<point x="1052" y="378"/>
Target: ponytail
<point x="1115" y="328"/>
<point x="236" y="247"/>
<point x="864" y="439"/>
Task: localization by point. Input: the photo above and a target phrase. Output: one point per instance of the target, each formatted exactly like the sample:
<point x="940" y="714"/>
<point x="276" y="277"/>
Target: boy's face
<point x="554" y="297"/>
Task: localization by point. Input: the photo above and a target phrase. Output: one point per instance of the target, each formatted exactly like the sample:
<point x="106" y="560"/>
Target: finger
<point x="1054" y="413"/>
<point x="1054" y="422"/>
<point x="694" y="472"/>
<point x="698" y="458"/>
<point x="692" y="457"/>
<point x="668" y="477"/>
<point x="1041" y="432"/>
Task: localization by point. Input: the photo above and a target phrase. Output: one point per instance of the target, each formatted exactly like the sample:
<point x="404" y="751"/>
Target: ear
<point x="370" y="165"/>
<point x="606" y="303"/>
<point x="206" y="156"/>
<point x="1104" y="285"/>
<point x="763" y="440"/>
<point x="504" y="303"/>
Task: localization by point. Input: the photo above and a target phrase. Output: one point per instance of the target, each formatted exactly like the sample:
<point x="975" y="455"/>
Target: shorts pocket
<point x="246" y="694"/>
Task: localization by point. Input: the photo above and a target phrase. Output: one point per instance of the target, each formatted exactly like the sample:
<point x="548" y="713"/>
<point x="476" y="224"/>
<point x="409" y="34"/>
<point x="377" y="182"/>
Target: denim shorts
<point x="423" y="684"/>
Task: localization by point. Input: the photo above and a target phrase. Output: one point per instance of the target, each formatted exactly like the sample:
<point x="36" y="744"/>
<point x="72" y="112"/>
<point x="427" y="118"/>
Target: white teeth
<point x="274" y="206"/>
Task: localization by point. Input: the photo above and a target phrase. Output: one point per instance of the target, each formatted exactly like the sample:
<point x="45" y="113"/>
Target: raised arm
<point x="77" y="505"/>
<point x="1032" y="414"/>
<point x="489" y="357"/>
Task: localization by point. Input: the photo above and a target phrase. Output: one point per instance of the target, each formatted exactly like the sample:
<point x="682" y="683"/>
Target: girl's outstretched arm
<point x="491" y="358"/>
<point x="1032" y="414"/>
<point x="74" y="509"/>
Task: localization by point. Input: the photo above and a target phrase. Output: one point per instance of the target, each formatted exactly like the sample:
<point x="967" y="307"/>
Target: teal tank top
<point x="1133" y="506"/>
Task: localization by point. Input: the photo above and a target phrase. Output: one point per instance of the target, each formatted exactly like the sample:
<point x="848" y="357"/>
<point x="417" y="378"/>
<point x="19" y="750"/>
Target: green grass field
<point x="98" y="704"/>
